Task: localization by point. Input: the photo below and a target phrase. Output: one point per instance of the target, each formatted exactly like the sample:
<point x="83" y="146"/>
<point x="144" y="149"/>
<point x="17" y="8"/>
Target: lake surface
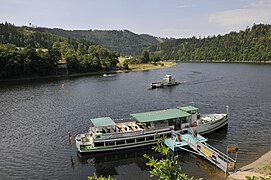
<point x="35" y="118"/>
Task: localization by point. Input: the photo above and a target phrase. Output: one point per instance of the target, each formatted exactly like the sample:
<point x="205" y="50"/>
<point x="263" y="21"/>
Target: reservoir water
<point x="35" y="118"/>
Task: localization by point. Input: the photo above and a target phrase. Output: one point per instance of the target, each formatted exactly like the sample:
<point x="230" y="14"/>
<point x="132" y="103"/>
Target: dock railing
<point x="218" y="158"/>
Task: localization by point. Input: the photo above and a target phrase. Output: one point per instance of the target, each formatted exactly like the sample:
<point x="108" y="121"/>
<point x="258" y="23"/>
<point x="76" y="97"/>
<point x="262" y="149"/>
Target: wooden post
<point x="70" y="138"/>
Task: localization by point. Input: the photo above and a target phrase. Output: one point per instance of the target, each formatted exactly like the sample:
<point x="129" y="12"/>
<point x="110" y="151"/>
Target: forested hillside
<point x="125" y="42"/>
<point x="251" y="44"/>
<point x="26" y="52"/>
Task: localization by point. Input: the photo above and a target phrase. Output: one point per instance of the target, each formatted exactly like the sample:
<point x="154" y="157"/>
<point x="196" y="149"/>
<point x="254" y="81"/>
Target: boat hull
<point x="146" y="139"/>
<point x="171" y="84"/>
<point x="210" y="127"/>
<point x="128" y="146"/>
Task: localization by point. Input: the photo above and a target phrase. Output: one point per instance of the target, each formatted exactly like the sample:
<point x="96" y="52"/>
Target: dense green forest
<point x="125" y="42"/>
<point x="27" y="51"/>
<point x="251" y="44"/>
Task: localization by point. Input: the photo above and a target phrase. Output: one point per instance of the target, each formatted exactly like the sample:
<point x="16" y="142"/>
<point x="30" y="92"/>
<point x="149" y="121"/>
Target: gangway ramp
<point x="198" y="143"/>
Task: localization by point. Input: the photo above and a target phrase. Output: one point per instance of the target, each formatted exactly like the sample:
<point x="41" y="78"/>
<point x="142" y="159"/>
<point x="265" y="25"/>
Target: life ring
<point x="194" y="124"/>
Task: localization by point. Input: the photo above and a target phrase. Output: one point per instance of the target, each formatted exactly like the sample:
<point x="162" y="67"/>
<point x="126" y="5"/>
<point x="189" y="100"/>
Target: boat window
<point x="184" y="120"/>
<point x="140" y="139"/>
<point x="98" y="144"/>
<point x="130" y="141"/>
<point x="170" y="122"/>
<point x="110" y="143"/>
<point x="120" y="142"/>
<point x="149" y="138"/>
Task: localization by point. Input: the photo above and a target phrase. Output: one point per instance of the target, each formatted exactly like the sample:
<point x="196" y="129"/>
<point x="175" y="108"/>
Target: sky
<point x="161" y="18"/>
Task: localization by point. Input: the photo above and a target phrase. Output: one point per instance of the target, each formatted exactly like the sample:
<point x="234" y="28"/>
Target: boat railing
<point x="158" y="129"/>
<point x="221" y="154"/>
<point x="120" y="134"/>
<point x="132" y="133"/>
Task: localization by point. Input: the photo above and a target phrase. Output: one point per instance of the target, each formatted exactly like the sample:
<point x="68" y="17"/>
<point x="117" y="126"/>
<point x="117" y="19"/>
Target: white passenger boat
<point x="108" y="135"/>
<point x="168" y="80"/>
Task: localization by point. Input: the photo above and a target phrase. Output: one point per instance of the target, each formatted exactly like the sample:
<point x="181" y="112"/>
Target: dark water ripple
<point x="35" y="118"/>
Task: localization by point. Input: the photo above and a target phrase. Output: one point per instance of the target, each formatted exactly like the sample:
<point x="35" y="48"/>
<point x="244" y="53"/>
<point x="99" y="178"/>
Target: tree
<point x="125" y="65"/>
<point x="253" y="44"/>
<point x="95" y="177"/>
<point x="145" y="57"/>
<point x="166" y="168"/>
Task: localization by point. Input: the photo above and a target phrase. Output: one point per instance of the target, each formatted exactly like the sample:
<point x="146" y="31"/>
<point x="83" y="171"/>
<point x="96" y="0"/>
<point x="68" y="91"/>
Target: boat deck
<point x="186" y="139"/>
<point x="199" y="146"/>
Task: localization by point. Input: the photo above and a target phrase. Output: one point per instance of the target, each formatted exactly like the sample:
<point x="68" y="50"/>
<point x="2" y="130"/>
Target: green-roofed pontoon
<point x="159" y="115"/>
<point x="102" y="122"/>
<point x="188" y="108"/>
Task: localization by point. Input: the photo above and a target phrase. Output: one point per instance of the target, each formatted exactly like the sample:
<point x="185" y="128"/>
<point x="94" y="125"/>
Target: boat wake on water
<point x="200" y="82"/>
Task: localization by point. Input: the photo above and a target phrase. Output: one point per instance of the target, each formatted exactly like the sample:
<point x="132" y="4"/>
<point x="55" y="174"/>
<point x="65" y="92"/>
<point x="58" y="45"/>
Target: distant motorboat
<point x="108" y="75"/>
<point x="168" y="80"/>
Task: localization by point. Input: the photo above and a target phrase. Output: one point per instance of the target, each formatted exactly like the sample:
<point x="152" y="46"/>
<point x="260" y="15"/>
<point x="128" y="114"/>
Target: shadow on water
<point x="107" y="163"/>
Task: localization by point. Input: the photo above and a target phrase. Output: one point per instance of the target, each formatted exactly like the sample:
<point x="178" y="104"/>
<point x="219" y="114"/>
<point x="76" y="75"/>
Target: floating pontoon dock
<point x="199" y="146"/>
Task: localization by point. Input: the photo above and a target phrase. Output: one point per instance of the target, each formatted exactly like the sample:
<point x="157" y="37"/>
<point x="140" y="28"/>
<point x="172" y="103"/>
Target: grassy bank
<point x="135" y="67"/>
<point x="147" y="66"/>
<point x="162" y="64"/>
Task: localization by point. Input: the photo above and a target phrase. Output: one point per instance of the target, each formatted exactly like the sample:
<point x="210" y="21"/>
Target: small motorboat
<point x="108" y="75"/>
<point x="168" y="80"/>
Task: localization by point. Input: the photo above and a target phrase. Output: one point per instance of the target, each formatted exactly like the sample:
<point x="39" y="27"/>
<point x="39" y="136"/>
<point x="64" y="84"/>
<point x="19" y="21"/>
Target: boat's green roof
<point x="188" y="108"/>
<point x="159" y="115"/>
<point x="104" y="121"/>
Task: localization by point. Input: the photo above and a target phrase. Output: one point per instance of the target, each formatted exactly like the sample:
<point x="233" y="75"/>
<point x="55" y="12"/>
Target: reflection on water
<point x="36" y="116"/>
<point x="107" y="163"/>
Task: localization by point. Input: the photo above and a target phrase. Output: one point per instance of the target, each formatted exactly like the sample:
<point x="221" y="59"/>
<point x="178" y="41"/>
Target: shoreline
<point x="259" y="168"/>
<point x="135" y="69"/>
<point x="75" y="75"/>
<point x="222" y="61"/>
